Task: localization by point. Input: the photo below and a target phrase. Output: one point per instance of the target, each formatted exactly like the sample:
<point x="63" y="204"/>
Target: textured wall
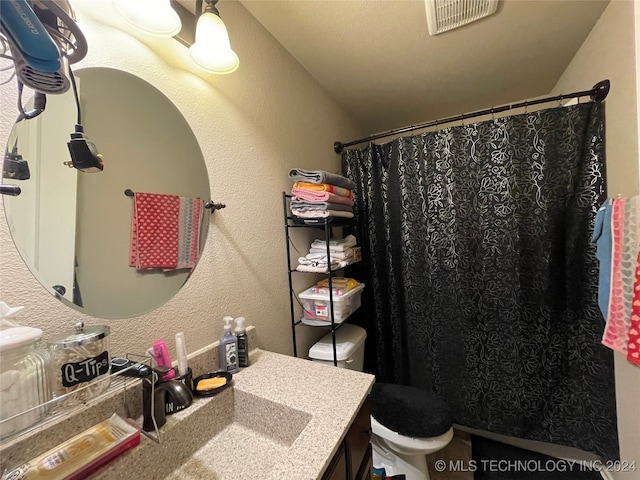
<point x="253" y="126"/>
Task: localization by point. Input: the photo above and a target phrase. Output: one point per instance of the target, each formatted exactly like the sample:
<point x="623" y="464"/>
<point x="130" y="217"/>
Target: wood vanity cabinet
<point x="353" y="459"/>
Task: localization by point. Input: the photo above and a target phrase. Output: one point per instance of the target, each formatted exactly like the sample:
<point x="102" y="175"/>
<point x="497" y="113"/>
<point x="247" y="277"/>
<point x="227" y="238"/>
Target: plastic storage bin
<point x="349" y="348"/>
<point x="317" y="307"/>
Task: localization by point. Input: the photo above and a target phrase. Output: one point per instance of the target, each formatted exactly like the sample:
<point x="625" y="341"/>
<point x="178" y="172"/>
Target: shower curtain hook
<point x="493" y="116"/>
<point x="560" y="99"/>
<point x="526" y="106"/>
<point x="462" y="119"/>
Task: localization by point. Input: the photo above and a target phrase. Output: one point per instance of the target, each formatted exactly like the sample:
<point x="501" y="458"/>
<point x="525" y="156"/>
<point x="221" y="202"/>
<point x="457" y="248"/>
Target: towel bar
<point x="213" y="206"/>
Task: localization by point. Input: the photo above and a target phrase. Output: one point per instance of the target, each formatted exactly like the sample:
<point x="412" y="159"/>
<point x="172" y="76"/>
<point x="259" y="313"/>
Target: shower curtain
<point x="481" y="278"/>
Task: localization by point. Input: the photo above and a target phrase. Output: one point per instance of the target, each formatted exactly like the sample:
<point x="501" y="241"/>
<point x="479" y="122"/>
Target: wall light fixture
<point x="152" y="16"/>
<point x="203" y="32"/>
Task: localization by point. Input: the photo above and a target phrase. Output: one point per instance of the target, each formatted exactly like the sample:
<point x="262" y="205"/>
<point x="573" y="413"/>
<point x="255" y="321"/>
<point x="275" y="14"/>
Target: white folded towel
<point x="338" y="245"/>
<point x="315" y="253"/>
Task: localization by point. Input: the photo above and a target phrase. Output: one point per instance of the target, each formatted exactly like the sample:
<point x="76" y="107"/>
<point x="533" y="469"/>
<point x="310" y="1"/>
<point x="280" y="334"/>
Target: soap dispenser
<point x="243" y="343"/>
<point x="228" y="348"/>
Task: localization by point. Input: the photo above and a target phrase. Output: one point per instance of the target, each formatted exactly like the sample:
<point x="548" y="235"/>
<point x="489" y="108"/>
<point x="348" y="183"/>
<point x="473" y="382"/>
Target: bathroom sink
<point x="246" y="439"/>
<point x="281" y="418"/>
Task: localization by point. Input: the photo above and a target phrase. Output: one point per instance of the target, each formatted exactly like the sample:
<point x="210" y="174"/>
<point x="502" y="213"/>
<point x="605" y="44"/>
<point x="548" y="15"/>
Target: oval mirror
<point x="73" y="229"/>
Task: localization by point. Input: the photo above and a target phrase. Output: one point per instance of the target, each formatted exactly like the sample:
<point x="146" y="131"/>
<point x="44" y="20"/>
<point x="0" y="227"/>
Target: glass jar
<point x="24" y="383"/>
<point x="80" y="364"/>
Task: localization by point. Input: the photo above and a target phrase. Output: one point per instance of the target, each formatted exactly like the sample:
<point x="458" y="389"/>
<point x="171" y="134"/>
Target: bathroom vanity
<point x="282" y="418"/>
<point x="353" y="458"/>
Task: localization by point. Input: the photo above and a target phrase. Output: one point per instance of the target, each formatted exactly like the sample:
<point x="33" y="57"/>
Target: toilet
<point x="407" y="423"/>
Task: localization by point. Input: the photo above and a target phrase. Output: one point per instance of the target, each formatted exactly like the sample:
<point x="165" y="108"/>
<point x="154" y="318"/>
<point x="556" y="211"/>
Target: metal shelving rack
<point x="327" y="226"/>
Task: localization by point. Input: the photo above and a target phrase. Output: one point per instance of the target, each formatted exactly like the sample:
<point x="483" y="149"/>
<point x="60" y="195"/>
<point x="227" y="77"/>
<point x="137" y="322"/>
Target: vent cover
<point x="444" y="15"/>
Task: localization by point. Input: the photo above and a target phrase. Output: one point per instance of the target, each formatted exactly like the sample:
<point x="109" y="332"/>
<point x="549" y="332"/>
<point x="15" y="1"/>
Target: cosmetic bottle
<point x="243" y="342"/>
<point x="228" y="348"/>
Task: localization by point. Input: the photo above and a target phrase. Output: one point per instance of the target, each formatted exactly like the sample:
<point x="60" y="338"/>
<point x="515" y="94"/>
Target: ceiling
<point x="378" y="61"/>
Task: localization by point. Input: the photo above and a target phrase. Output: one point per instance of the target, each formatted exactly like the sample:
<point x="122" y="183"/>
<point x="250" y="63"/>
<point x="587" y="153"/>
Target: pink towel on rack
<point x="154" y="231"/>
<point x="165" y="231"/>
<point x="318" y="196"/>
<point x="626" y="240"/>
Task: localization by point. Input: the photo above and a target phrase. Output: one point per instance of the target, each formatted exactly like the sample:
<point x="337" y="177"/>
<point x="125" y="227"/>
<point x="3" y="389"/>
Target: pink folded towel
<point x="318" y="196"/>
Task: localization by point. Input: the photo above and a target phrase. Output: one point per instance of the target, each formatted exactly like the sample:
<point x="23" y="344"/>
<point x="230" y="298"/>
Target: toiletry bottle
<point x="228" y="348"/>
<point x="243" y="342"/>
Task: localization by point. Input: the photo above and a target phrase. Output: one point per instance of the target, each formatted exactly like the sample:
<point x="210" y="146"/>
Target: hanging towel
<point x="633" y="345"/>
<point x="189" y="222"/>
<point x="602" y="238"/>
<point x="624" y="222"/>
<point x="318" y="196"/>
<point x="320" y="176"/>
<point x="324" y="187"/>
<point x="165" y="231"/>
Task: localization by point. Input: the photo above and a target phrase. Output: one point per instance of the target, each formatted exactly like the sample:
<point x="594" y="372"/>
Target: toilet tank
<point x="349" y="347"/>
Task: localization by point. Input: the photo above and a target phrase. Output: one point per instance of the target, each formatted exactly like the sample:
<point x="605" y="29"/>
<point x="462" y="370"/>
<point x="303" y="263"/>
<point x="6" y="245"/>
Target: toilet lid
<point x="410" y="411"/>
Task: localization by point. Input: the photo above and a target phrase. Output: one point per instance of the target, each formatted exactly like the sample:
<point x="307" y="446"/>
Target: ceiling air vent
<point x="444" y="15"/>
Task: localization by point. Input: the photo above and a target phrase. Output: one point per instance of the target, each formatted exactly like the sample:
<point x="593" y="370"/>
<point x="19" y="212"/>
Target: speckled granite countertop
<point x="283" y="418"/>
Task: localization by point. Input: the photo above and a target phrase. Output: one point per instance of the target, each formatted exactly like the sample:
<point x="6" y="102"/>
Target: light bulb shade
<point x="212" y="50"/>
<point x="153" y="16"/>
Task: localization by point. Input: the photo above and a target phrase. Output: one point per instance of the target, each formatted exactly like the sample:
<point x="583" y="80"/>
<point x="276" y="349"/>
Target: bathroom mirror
<point x="73" y="228"/>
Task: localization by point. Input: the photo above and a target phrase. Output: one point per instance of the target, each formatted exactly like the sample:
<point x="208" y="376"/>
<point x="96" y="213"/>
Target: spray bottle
<point x="243" y="342"/>
<point x="228" y="348"/>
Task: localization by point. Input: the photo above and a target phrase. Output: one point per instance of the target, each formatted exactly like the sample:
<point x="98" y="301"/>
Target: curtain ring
<point x="526" y="105"/>
<point x="560" y="100"/>
<point x="462" y="119"/>
<point x="493" y="116"/>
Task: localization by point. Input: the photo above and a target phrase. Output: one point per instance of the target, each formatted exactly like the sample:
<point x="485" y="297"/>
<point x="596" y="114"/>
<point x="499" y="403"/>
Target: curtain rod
<point x="597" y="94"/>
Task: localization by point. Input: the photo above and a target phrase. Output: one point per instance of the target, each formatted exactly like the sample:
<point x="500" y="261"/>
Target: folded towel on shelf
<point x="341" y="254"/>
<point x="335" y="257"/>
<point x="319" y="269"/>
<point x="320" y="213"/>
<point x="320" y="176"/>
<point x="339" y="244"/>
<point x="165" y="231"/>
<point x="319" y="196"/>
<point x="324" y="187"/>
<point x="321" y="261"/>
<point x="304" y="205"/>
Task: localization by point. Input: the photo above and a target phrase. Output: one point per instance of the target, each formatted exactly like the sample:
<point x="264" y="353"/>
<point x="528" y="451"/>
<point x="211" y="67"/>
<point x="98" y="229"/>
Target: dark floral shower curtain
<point x="481" y="276"/>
